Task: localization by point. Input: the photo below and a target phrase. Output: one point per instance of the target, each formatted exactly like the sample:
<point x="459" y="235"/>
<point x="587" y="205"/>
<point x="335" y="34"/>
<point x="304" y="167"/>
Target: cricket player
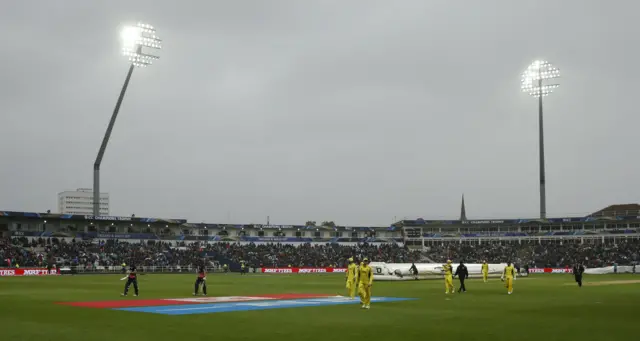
<point x="351" y="279"/>
<point x="448" y="277"/>
<point x="201" y="280"/>
<point x="578" y="270"/>
<point x="365" y="279"/>
<point x="132" y="279"/>
<point x="485" y="271"/>
<point x="508" y="276"/>
<point x="414" y="270"/>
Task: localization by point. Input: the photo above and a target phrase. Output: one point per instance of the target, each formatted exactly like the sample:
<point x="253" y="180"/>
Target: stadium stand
<point x="35" y="239"/>
<point x="545" y="254"/>
<point x="112" y="253"/>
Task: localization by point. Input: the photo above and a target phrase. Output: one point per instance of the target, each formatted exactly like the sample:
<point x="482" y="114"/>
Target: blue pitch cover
<point x="189" y="309"/>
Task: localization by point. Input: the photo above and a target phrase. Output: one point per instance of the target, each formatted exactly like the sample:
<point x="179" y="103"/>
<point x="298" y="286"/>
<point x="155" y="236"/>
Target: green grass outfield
<point x="542" y="308"/>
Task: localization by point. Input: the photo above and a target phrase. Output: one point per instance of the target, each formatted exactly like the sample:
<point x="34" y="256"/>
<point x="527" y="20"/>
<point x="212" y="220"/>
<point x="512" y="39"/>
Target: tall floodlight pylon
<point x="535" y="82"/>
<point x="138" y="43"/>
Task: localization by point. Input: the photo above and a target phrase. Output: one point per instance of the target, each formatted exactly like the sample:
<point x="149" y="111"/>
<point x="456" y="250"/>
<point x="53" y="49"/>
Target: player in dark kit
<point x="413" y="270"/>
<point x="132" y="279"/>
<point x="201" y="280"/>
<point x="462" y="273"/>
<point x="578" y="270"/>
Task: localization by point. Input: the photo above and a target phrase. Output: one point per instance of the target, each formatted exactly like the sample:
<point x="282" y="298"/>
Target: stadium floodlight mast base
<point x="138" y="42"/>
<point x="533" y="83"/>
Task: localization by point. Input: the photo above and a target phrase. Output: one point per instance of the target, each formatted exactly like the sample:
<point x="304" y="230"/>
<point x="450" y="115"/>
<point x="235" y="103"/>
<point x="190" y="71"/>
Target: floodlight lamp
<point x="130" y="36"/>
<point x="534" y="76"/>
<point x="137" y="40"/>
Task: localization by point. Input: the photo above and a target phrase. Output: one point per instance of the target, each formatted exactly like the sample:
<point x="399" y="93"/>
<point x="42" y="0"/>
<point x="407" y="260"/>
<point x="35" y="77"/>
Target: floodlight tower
<point x="534" y="83"/>
<point x="138" y="43"/>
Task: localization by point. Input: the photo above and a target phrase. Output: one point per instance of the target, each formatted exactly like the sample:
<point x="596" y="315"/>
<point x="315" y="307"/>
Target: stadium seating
<point x="39" y="251"/>
<point x="544" y="253"/>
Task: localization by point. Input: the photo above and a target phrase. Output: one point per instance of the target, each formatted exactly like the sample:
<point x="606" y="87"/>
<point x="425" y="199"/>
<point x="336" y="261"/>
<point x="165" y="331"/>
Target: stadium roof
<point x="611" y="213"/>
<point x="618" y="210"/>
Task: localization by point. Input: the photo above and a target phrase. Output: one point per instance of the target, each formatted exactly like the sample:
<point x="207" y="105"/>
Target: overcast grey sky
<point x="354" y="111"/>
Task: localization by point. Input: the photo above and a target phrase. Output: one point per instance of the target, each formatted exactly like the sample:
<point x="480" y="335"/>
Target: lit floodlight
<point x="137" y="40"/>
<point x="535" y="74"/>
<point x="534" y="83"/>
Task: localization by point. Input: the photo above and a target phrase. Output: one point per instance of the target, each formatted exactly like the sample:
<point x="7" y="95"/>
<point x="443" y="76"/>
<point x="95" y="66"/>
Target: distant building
<point x="80" y="202"/>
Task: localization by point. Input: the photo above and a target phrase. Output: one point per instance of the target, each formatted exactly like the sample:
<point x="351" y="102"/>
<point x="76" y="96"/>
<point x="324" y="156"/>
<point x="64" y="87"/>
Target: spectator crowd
<point x="40" y="252"/>
<point x="96" y="253"/>
<point x="310" y="255"/>
<point x="544" y="254"/>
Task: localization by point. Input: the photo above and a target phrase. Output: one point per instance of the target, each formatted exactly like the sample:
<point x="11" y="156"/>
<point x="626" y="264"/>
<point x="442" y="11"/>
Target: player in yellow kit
<point x="351" y="279"/>
<point x="365" y="279"/>
<point x="448" y="277"/>
<point x="508" y="276"/>
<point x="485" y="271"/>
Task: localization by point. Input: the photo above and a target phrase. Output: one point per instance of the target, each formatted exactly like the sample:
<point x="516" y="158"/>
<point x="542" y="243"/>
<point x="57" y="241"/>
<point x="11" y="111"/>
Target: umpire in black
<point x="132" y="279"/>
<point x="578" y="270"/>
<point x="462" y="273"/>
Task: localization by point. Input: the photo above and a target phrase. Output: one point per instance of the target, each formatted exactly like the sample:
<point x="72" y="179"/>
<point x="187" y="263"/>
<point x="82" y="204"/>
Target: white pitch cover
<point x="400" y="271"/>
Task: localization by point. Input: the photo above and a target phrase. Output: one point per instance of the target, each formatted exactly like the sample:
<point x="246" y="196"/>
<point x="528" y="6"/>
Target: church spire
<point x="463" y="211"/>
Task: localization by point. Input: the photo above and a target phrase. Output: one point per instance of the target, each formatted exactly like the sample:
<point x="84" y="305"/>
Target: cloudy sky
<point x="355" y="111"/>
